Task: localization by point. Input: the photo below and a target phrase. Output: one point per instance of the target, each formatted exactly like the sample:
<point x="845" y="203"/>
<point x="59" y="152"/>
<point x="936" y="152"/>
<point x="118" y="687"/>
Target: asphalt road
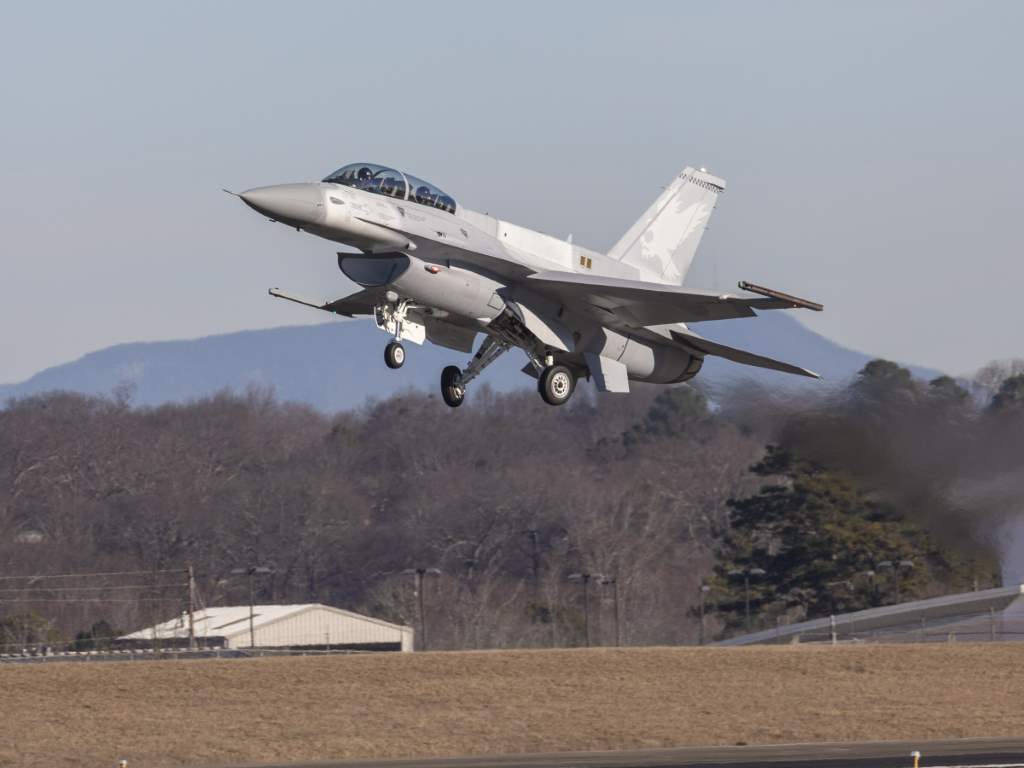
<point x="881" y="754"/>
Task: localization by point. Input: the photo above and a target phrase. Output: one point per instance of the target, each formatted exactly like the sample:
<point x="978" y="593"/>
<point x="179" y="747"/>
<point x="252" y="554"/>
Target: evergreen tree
<point x="1010" y="397"/>
<point x="673" y="412"/>
<point x="824" y="546"/>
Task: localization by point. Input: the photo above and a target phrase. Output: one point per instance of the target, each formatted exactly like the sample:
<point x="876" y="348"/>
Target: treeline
<point x="505" y="497"/>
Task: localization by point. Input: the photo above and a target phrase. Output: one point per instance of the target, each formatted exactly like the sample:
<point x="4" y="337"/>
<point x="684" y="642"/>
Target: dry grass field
<point x="167" y="713"/>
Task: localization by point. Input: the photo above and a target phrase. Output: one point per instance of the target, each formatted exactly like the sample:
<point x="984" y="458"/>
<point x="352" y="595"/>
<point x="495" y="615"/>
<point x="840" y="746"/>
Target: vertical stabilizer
<point x="664" y="240"/>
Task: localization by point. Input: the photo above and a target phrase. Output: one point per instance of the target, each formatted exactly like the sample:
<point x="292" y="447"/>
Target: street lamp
<point x="746" y="573"/>
<point x="418" y="574"/>
<point x="704" y="589"/>
<point x="584" y="579"/>
<point x="615" y="596"/>
<point x="252" y="571"/>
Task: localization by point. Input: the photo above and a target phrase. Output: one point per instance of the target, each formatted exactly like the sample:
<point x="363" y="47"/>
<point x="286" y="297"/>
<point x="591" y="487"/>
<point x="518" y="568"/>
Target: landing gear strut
<point x="394" y="355"/>
<point x="454" y="381"/>
<point x="556" y="384"/>
<point x="391" y="317"/>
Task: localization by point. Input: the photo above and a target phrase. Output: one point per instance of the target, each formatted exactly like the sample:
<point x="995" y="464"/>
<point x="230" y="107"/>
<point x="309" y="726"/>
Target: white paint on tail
<point x="663" y="242"/>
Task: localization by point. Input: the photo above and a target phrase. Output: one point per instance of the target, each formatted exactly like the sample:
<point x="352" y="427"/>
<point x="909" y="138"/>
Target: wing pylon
<point x="359" y="303"/>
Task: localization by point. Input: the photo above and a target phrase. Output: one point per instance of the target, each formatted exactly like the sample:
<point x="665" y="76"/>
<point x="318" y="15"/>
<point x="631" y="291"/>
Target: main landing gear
<point x="454" y="381"/>
<point x="453" y="391"/>
<point x="556" y="384"/>
<point x="394" y="355"/>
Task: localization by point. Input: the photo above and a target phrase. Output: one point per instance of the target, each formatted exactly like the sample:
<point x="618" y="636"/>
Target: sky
<point x="873" y="153"/>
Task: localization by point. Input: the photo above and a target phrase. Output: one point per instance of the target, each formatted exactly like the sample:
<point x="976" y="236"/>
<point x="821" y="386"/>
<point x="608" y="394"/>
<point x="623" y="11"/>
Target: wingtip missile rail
<point x="796" y="301"/>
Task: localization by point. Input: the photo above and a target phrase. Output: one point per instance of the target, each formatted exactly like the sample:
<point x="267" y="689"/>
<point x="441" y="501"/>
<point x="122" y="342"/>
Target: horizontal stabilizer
<point x="699" y="344"/>
<point x="359" y="303"/>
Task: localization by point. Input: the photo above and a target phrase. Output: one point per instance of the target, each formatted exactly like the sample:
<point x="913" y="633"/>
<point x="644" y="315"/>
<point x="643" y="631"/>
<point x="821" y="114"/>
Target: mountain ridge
<point x="339" y="365"/>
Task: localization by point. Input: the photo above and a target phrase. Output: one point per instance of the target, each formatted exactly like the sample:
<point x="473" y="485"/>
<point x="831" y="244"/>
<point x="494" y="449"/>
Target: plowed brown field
<point x="167" y="713"/>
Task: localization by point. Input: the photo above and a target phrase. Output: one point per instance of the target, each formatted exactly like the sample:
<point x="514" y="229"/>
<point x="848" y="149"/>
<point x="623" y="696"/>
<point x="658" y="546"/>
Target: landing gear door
<point x="451" y="336"/>
<point x="404" y="329"/>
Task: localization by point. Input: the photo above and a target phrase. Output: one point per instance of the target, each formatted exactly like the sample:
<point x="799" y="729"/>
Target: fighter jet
<point x="433" y="270"/>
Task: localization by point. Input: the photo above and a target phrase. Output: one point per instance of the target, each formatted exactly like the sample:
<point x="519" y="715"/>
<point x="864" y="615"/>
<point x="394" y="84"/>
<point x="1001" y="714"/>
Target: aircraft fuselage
<point x="432" y="270"/>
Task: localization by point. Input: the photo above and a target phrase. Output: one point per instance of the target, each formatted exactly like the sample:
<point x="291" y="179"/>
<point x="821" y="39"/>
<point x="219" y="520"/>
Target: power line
<point x="31" y="600"/>
<point x="21" y="590"/>
<point x="88" y="575"/>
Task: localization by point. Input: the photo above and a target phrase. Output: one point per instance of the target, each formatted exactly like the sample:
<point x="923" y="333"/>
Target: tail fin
<point x="664" y="240"/>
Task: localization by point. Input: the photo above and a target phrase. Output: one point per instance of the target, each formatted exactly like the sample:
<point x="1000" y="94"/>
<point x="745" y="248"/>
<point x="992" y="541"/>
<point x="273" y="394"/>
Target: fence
<point x="993" y="615"/>
<point x="46" y="614"/>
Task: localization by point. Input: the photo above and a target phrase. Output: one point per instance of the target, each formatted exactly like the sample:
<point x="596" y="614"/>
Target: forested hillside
<point x="652" y="494"/>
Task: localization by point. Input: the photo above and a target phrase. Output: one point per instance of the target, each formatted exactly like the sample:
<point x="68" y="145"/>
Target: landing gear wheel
<point x="556" y="384"/>
<point x="394" y="355"/>
<point x="451" y="386"/>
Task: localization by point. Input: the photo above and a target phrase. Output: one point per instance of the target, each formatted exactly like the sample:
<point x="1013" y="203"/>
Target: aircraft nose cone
<point x="288" y="203"/>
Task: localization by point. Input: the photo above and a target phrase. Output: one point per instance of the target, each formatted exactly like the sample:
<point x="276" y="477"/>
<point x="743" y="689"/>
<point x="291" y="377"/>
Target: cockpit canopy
<point x="391" y="183"/>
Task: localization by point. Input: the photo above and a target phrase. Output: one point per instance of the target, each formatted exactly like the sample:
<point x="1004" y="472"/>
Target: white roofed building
<point x="280" y="626"/>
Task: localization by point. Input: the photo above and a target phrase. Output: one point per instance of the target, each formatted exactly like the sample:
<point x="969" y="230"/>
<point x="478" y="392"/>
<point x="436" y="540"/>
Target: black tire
<point x="556" y="384"/>
<point x="394" y="355"/>
<point x="451" y="387"/>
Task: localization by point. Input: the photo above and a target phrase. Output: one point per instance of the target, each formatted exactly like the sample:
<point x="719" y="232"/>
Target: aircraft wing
<point x="697" y="343"/>
<point x="637" y="303"/>
<point x="359" y="303"/>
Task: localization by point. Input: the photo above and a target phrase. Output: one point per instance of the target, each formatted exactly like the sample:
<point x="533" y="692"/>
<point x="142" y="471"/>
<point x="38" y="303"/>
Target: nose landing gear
<point x="393" y="316"/>
<point x="394" y="355"/>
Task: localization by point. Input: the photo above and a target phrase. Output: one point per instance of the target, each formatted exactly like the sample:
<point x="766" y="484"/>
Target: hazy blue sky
<point x="873" y="153"/>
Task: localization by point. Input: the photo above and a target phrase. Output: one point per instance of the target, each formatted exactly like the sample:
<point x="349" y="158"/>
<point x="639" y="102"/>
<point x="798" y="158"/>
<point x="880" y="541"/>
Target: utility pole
<point x="252" y="571"/>
<point x="746" y="573"/>
<point x="419" y="599"/>
<point x="584" y="579"/>
<point x="898" y="570"/>
<point x="615" y="597"/>
<point x="746" y="599"/>
<point x="191" y="607"/>
<point x="534" y="534"/>
<point x="418" y="574"/>
<point x="252" y="611"/>
<point x="704" y="589"/>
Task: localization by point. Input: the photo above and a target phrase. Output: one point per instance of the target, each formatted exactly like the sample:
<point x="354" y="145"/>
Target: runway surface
<point x="994" y="753"/>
